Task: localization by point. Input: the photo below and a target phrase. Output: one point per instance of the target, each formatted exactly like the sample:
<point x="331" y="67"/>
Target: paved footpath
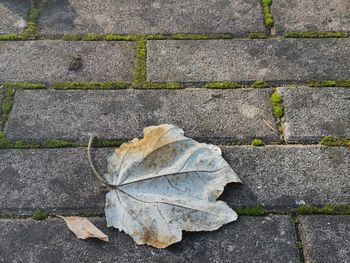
<point x="267" y="81"/>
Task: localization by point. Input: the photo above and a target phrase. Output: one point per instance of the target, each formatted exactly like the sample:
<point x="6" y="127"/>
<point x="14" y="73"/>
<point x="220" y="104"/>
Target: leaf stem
<point x="97" y="175"/>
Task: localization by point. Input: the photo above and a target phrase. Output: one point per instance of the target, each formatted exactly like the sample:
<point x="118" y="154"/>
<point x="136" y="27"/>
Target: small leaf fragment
<point x="83" y="228"/>
<point x="166" y="183"/>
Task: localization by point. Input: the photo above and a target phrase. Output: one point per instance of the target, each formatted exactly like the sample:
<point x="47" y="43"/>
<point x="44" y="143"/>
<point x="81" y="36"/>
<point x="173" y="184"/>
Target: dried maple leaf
<point x="166" y="183"/>
<point x="83" y="228"/>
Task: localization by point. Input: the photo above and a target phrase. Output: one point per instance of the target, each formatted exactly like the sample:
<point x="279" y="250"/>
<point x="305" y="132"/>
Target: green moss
<point x="4" y="143"/>
<point x="53" y="143"/>
<point x="222" y="85"/>
<point x="268" y="19"/>
<point x="140" y="70"/>
<point x="72" y="37"/>
<point x="315" y="35"/>
<point x="111" y="37"/>
<point x="7" y="104"/>
<point x="91" y="85"/>
<point x="327" y="209"/>
<point x="23" y="85"/>
<point x="257" y="35"/>
<point x="252" y="211"/>
<point x="334" y="141"/>
<point x="199" y="36"/>
<point x="96" y="37"/>
<point x="169" y="85"/>
<point x="329" y="83"/>
<point x="27" y="145"/>
<point x="257" y="142"/>
<point x="277" y="105"/>
<point x="11" y="37"/>
<point x="260" y="84"/>
<point x="39" y="215"/>
<point x="107" y="143"/>
<point x="299" y="245"/>
<point x="93" y="37"/>
<point x="30" y="31"/>
<point x="156" y="37"/>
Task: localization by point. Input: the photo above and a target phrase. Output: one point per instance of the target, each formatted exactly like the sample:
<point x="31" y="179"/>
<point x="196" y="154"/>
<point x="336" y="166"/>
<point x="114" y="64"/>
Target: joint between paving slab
<point x="30" y="32"/>
<point x="316" y="34"/>
<point x="91" y="85"/>
<point x="97" y="85"/>
<point x="246" y="211"/>
<point x="59" y="143"/>
<point x="277" y="105"/>
<point x="299" y="241"/>
<point x="33" y="35"/>
<point x="268" y="18"/>
<point x="6" y="108"/>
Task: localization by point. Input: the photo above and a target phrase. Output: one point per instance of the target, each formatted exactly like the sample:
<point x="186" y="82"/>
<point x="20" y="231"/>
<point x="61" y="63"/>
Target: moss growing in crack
<point x="96" y="37"/>
<point x="257" y="142"/>
<point x="315" y="34"/>
<point x="4" y="143"/>
<point x="108" y="143"/>
<point x="334" y="141"/>
<point x="27" y="145"/>
<point x="92" y="37"/>
<point x="156" y="37"/>
<point x="91" y="85"/>
<point x="277" y="105"/>
<point x="199" y="36"/>
<point x="72" y="37"/>
<point x="111" y="37"/>
<point x="260" y="84"/>
<point x="11" y="37"/>
<point x="23" y="85"/>
<point x="327" y="209"/>
<point x="252" y="211"/>
<point x="222" y="85"/>
<point x="30" y="31"/>
<point x="169" y="85"/>
<point x="140" y="70"/>
<point x="7" y="105"/>
<point x="257" y="35"/>
<point x="268" y="19"/>
<point x="39" y="215"/>
<point x="51" y="143"/>
<point x="329" y="83"/>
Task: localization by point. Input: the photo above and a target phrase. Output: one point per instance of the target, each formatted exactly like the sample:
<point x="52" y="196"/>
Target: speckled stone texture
<point x="276" y="60"/>
<point x="238" y="17"/>
<point x="54" y="60"/>
<point x="277" y="177"/>
<point x="122" y="114"/>
<point x="311" y="15"/>
<point x="54" y="180"/>
<point x="284" y="177"/>
<point x="326" y="238"/>
<point x="311" y="113"/>
<point x="250" y="239"/>
<point x="2" y="98"/>
<point x="13" y="15"/>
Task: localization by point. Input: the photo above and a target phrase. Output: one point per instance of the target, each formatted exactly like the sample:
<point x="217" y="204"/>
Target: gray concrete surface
<point x="212" y="115"/>
<point x="248" y="60"/>
<point x="55" y="61"/>
<point x="250" y="239"/>
<point x="326" y="238"/>
<point x="151" y="17"/>
<point x="312" y="113"/>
